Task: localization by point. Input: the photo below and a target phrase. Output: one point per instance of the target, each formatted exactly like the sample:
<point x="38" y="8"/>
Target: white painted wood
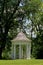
<point x="14" y="51"/>
<point x="28" y="51"/>
<point x="20" y="50"/>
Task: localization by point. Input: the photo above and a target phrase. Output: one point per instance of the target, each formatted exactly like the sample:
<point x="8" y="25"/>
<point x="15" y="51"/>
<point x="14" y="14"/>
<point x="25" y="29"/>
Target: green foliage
<point x="38" y="46"/>
<point x="7" y="51"/>
<point x="7" y="23"/>
<point x="32" y="6"/>
<point x="12" y="16"/>
<point x="34" y="12"/>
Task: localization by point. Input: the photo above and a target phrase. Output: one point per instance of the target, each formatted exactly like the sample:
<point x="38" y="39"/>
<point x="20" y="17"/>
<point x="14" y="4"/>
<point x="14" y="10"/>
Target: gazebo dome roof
<point x="21" y="37"/>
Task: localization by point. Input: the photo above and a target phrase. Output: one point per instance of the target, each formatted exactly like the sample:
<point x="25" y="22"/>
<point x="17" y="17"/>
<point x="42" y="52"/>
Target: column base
<point x="28" y="58"/>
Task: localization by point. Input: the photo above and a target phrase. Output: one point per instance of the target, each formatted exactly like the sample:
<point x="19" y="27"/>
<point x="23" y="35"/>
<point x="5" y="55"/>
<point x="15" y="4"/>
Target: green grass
<point x="21" y="62"/>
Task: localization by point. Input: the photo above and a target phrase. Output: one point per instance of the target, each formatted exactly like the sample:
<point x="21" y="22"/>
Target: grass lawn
<point x="21" y="62"/>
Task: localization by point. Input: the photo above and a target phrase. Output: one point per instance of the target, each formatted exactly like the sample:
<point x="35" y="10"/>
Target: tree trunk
<point x="0" y="53"/>
<point x="2" y="45"/>
<point x="1" y="49"/>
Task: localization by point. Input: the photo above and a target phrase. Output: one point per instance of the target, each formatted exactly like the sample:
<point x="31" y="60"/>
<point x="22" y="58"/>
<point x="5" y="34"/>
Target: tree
<point x="13" y="16"/>
<point x="38" y="41"/>
<point x="34" y="10"/>
<point x="8" y="9"/>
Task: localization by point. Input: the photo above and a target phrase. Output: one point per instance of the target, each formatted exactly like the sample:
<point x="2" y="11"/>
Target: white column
<point x="20" y="52"/>
<point x="14" y="51"/>
<point x="28" y="51"/>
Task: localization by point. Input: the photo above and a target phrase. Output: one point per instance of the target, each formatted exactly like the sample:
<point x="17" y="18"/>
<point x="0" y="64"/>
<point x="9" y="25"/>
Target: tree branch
<point x="2" y="8"/>
<point x="11" y="16"/>
<point x="8" y="22"/>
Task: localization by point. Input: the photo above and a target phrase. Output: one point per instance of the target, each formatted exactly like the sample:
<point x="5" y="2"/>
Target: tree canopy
<point x="13" y="15"/>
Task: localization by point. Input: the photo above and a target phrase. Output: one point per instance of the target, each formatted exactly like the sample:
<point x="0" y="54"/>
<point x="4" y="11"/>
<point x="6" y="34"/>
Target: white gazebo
<point x="21" y="47"/>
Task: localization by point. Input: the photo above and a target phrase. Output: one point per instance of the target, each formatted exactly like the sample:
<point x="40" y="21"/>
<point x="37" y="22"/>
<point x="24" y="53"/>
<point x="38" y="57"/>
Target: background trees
<point x="34" y="12"/>
<point x="25" y="14"/>
<point x="8" y="9"/>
